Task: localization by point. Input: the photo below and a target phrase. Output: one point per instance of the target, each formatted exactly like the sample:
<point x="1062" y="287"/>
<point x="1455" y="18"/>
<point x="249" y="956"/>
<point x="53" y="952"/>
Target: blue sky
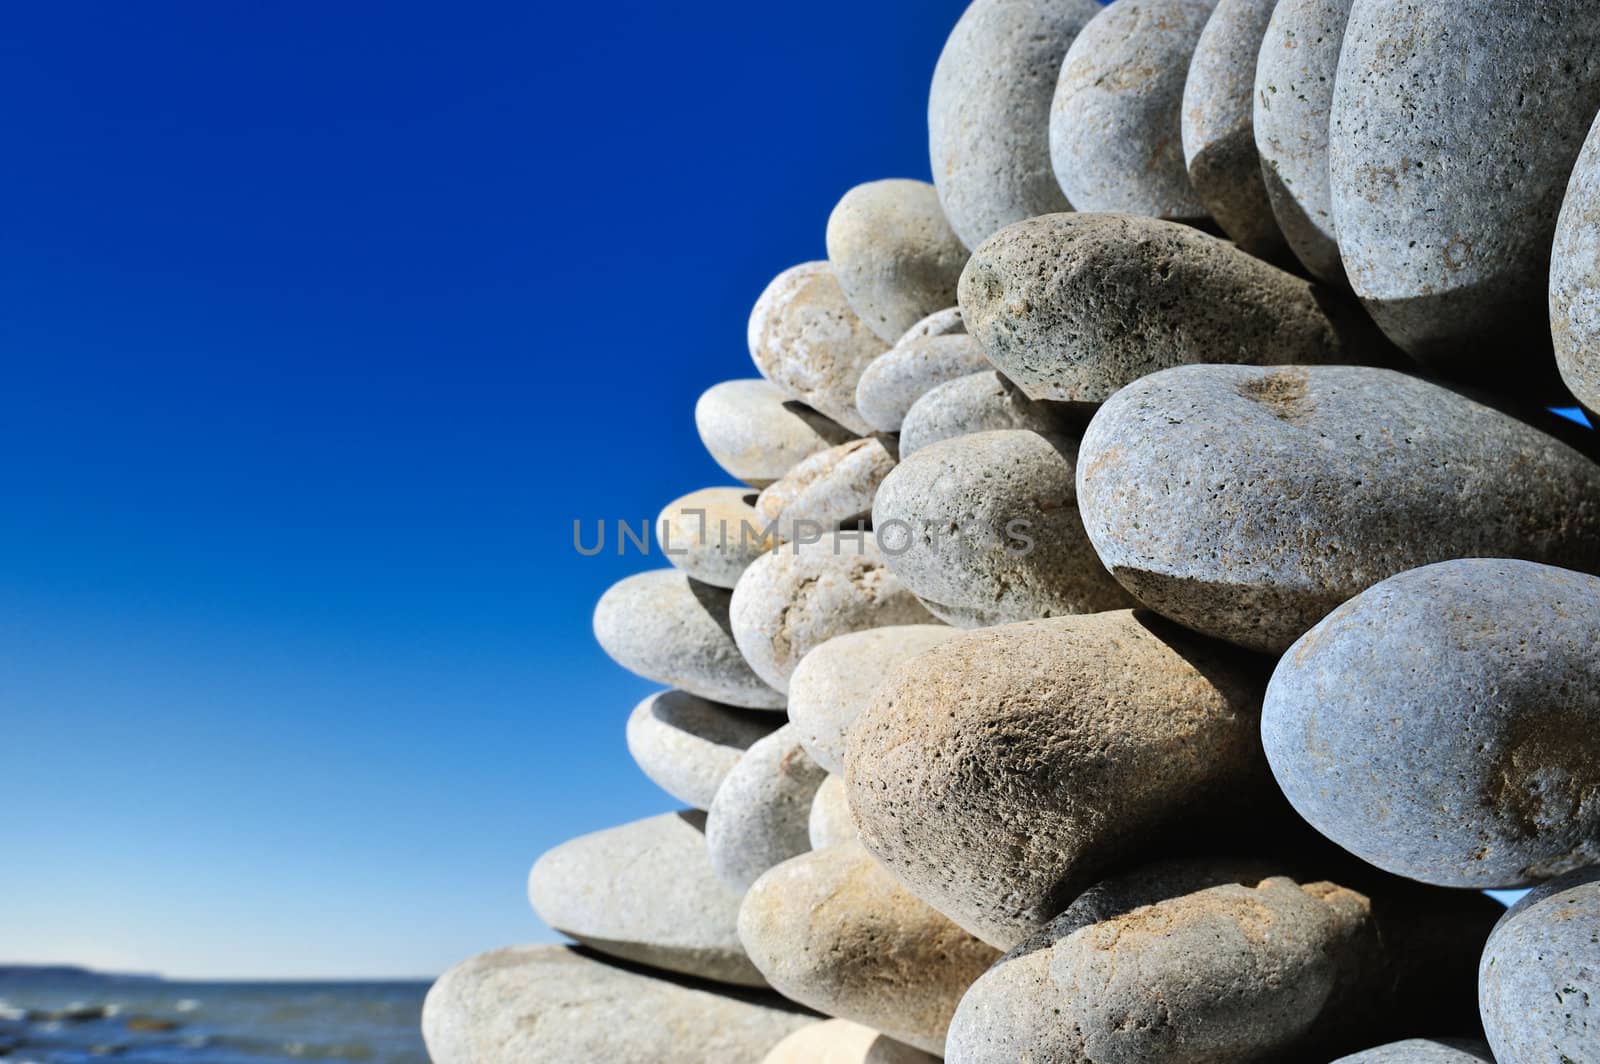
<point x="322" y="322"/>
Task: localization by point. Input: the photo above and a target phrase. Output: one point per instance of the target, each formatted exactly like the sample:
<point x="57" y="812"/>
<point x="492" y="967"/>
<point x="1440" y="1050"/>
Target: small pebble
<point x="757" y="434"/>
<point x="761" y="815"/>
<point x="905" y="373"/>
<point x="713" y="534"/>
<point x="687" y="745"/>
<point x="830" y="490"/>
<point x="978" y="402"/>
<point x="843" y="1042"/>
<point x="830" y="822"/>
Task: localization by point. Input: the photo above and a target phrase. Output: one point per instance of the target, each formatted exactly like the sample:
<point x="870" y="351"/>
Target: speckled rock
<point x="1072" y="307"/>
<point x="1249" y="503"/>
<point x="675" y="631"/>
<point x="832" y="929"/>
<point x="834" y="683"/>
<point x="1448" y="158"/>
<point x="713" y="534"/>
<point x="989" y="112"/>
<point x="800" y="596"/>
<point x="645" y="892"/>
<point x="687" y="745"/>
<point x="1575" y="278"/>
<point x="761" y="815"/>
<point x="999" y="773"/>
<point x="1293" y="97"/>
<point x="905" y="373"/>
<point x="828" y="490"/>
<point x="843" y="1042"/>
<point x="1423" y="1051"/>
<point x="984" y="529"/>
<point x="944" y="322"/>
<point x="830" y="822"/>
<point x="757" y="433"/>
<point x="896" y="257"/>
<point x="978" y="402"/>
<point x="1219" y="140"/>
<point x="806" y="339"/>
<point x="1444" y="724"/>
<point x="1115" y="125"/>
<point x="1539" y="982"/>
<point x="553" y="1004"/>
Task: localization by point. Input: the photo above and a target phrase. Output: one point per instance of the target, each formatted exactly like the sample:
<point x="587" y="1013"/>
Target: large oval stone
<point x="1248" y="503"/>
<point x="687" y="745"/>
<point x="757" y="433"/>
<point x="761" y="815"/>
<point x="805" y="338"/>
<point x="1575" y="278"/>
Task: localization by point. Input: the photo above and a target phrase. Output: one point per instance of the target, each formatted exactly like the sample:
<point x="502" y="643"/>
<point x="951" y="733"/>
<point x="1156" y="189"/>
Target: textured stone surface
<point x="1444" y="724"/>
<point x="800" y="596"/>
<point x="830" y="822"/>
<point x="1249" y="503"/>
<point x="984" y="529"/>
<point x="1575" y="278"/>
<point x="713" y="534"/>
<point x="834" y="683"/>
<point x="1072" y="307"/>
<point x="645" y="892"/>
<point x="896" y="257"/>
<point x="757" y="434"/>
<point x="1539" y="982"/>
<point x="674" y="630"/>
<point x="1454" y="130"/>
<point x="843" y="1042"/>
<point x="1293" y="98"/>
<point x="1219" y="140"/>
<point x="978" y="402"/>
<point x="553" y="1004"/>
<point x="687" y="745"/>
<point x="1423" y="1051"/>
<point x="989" y="112"/>
<point x="1115" y="125"/>
<point x="999" y="773"/>
<point x="805" y="338"/>
<point x="892" y="385"/>
<point x="828" y="490"/>
<point x="832" y="929"/>
<point x="761" y="815"/>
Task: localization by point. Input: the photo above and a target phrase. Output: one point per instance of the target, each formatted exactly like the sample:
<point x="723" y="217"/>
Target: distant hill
<point x="66" y="975"/>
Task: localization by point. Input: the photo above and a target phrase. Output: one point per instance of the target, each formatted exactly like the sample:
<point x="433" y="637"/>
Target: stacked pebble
<point x="1120" y="649"/>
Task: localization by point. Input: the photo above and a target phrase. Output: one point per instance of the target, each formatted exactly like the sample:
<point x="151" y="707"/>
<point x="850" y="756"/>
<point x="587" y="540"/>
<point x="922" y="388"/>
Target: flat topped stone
<point x="805" y="338"/>
<point x="645" y="892"/>
<point x="1448" y="158"/>
<point x="688" y="745"/>
<point x="1575" y="278"/>
<point x="757" y="433"/>
<point x="761" y="815"/>
<point x="1116" y="140"/>
<point x="989" y="112"/>
<point x="553" y="1003"/>
<point x="713" y="534"/>
<point x="1249" y="503"/>
<point x="895" y="255"/>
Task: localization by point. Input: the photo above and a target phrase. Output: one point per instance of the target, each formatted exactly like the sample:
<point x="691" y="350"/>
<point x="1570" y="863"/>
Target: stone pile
<point x="1155" y="604"/>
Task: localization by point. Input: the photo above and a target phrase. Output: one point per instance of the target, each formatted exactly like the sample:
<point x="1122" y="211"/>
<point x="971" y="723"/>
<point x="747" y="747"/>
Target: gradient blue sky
<point x="322" y="322"/>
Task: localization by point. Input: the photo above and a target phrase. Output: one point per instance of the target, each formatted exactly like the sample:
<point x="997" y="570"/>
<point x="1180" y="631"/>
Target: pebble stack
<point x="1149" y="608"/>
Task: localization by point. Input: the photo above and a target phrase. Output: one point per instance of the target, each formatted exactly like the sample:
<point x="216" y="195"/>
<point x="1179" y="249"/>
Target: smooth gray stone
<point x="1000" y="773"/>
<point x="687" y="745"/>
<point x="1454" y="129"/>
<point x="1539" y="982"/>
<point x="645" y="892"/>
<point x="761" y="815"/>
<point x="834" y="682"/>
<point x="843" y="1042"/>
<point x="1294" y="79"/>
<point x="832" y="929"/>
<point x="978" y="402"/>
<point x="713" y="534"/>
<point x="891" y="386"/>
<point x="1116" y="138"/>
<point x="805" y="338"/>
<point x="757" y="433"/>
<point x="828" y="490"/>
<point x="1575" y="278"/>
<point x="984" y="529"/>
<point x="830" y="822"/>
<point x="676" y="631"/>
<point x="1072" y="307"/>
<point x="1219" y="139"/>
<point x="989" y="112"/>
<point x="1423" y="1051"/>
<point x="1444" y="725"/>
<point x="556" y="1005"/>
<point x="801" y="595"/>
<point x="1249" y="503"/>
<point x="894" y="253"/>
